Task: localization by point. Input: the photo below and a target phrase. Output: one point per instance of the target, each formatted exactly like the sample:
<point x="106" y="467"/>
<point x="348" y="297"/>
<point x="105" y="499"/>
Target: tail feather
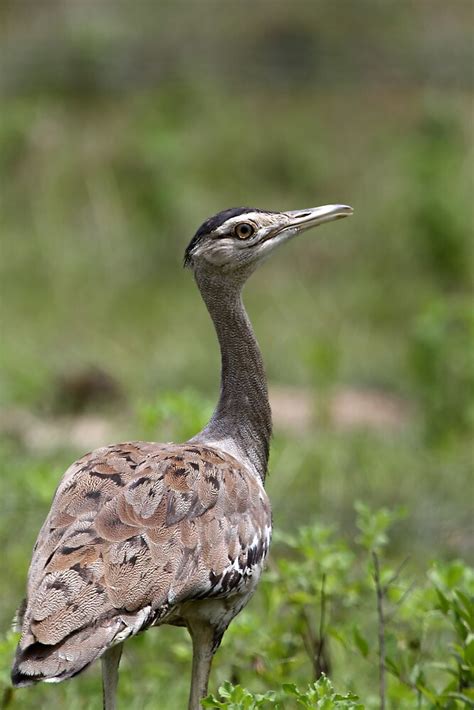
<point x="41" y="662"/>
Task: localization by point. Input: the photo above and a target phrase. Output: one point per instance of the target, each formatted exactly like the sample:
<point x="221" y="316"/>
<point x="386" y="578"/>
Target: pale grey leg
<point x="110" y="663"/>
<point x="204" y="646"/>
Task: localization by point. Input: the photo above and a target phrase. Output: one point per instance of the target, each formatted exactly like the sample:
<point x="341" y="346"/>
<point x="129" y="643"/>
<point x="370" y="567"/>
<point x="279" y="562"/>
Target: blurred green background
<point x="123" y="125"/>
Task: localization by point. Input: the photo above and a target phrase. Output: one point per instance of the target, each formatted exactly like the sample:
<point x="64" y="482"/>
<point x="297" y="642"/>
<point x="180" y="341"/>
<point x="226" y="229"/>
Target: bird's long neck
<point x="241" y="423"/>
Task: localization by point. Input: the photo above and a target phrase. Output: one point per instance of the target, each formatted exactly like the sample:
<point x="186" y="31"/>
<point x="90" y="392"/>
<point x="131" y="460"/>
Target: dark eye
<point x="244" y="230"/>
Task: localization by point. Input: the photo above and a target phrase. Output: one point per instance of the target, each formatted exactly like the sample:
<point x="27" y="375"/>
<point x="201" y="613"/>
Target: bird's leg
<point x="110" y="663"/>
<point x="205" y="644"/>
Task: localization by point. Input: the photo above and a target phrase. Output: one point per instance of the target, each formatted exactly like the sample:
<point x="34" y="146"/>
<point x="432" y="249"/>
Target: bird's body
<point x="140" y="534"/>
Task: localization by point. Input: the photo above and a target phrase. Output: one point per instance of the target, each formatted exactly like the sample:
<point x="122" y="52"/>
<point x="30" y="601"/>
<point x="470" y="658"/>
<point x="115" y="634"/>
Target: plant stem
<point x="322" y="621"/>
<point x="381" y="628"/>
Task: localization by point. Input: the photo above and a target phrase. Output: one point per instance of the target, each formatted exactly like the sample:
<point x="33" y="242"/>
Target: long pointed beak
<point x="300" y="220"/>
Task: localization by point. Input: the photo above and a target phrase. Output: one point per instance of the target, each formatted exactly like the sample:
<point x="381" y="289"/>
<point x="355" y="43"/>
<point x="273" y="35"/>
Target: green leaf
<point x="290" y="689"/>
<point x="443" y="601"/>
<point x="469" y="652"/>
<point x="428" y="695"/>
<point x="360" y="641"/>
<point x="392" y="666"/>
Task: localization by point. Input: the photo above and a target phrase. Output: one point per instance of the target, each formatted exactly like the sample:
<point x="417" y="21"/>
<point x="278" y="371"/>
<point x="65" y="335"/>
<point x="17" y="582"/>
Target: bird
<point x="141" y="534"/>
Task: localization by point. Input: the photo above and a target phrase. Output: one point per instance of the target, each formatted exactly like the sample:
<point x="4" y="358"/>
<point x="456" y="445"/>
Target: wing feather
<point x="134" y="530"/>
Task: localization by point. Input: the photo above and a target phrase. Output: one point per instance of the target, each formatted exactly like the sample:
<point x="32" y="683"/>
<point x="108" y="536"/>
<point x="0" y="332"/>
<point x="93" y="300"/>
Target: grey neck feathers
<point x="241" y="423"/>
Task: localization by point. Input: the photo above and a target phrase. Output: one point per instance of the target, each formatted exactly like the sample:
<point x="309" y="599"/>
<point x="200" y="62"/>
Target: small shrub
<point x="319" y="695"/>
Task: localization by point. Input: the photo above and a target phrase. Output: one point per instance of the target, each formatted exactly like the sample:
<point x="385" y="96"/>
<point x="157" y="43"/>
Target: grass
<point x="99" y="198"/>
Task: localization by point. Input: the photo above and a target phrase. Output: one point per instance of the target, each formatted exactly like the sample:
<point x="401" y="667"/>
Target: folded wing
<point x="135" y="530"/>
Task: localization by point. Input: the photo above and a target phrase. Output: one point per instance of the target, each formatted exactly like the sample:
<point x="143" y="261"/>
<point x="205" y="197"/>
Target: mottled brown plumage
<point x="141" y="534"/>
<point x="135" y="531"/>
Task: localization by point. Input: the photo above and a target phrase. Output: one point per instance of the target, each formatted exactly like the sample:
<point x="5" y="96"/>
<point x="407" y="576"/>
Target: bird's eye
<point x="244" y="230"/>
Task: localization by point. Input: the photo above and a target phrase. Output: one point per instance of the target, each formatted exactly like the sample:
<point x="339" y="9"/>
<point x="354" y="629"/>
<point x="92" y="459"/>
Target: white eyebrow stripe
<point x="234" y="221"/>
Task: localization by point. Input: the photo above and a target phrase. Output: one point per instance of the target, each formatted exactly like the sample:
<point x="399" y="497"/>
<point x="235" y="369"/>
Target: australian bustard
<point x="142" y="534"/>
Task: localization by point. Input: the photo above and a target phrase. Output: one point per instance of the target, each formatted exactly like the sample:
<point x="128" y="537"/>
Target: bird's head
<point x="237" y="239"/>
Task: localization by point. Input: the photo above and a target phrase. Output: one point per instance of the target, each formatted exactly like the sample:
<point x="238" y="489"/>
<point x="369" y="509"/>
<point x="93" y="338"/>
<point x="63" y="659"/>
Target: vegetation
<point x="109" y="159"/>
